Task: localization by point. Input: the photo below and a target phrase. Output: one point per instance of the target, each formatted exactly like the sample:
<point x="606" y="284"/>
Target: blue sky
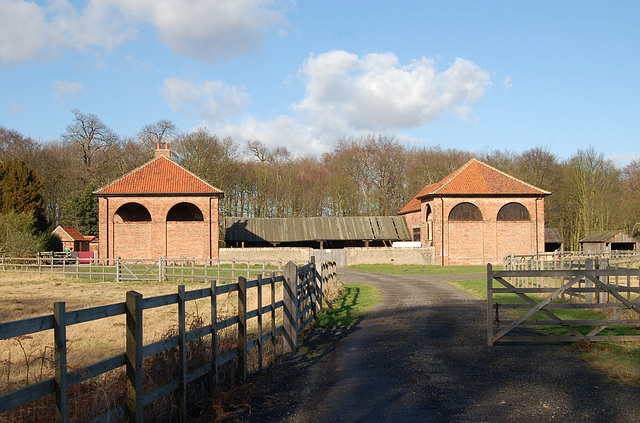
<point x="472" y="75"/>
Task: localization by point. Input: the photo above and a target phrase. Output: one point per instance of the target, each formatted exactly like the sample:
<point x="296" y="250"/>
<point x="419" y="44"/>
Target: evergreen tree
<point x="81" y="212"/>
<point x="21" y="192"/>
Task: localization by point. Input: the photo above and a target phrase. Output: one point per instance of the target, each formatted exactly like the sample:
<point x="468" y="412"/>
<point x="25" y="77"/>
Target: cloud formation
<point x="212" y="101"/>
<point x="376" y="92"/>
<point x="205" y="30"/>
<point x="344" y="95"/>
<point x="66" y="89"/>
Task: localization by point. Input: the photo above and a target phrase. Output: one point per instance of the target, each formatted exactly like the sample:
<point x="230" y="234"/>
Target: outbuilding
<point x="608" y="241"/>
<point x="158" y="210"/>
<point x="478" y="215"/>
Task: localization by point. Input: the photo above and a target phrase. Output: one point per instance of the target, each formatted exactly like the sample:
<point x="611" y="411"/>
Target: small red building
<point x="73" y="240"/>
<point x="159" y="210"/>
<point x="478" y="215"/>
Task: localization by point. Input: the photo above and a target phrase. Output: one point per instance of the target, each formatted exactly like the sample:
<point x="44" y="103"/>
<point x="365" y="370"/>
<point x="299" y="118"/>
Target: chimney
<point x="163" y="151"/>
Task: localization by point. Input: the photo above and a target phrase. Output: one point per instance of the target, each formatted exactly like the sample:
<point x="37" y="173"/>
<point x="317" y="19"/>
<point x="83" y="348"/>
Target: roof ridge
<point x="452" y="175"/>
<point x="170" y="164"/>
<point x="510" y="176"/>
<point x="128" y="173"/>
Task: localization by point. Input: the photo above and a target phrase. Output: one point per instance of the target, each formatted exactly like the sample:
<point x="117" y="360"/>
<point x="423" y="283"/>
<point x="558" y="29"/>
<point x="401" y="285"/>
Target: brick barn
<point x="159" y="210"/>
<point x="478" y="215"/>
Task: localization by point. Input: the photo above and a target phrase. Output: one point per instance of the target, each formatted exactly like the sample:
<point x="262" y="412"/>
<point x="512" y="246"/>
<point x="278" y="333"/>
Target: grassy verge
<point x="354" y="301"/>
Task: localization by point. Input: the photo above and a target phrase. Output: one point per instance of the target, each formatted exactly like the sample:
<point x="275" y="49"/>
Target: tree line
<point x="373" y="174"/>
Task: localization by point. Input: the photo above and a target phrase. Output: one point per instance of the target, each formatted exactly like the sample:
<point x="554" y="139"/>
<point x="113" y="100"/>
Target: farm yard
<point x="421" y="355"/>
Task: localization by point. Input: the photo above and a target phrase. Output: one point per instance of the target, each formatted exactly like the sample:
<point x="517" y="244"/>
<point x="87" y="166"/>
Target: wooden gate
<point x="618" y="300"/>
<point x="140" y="270"/>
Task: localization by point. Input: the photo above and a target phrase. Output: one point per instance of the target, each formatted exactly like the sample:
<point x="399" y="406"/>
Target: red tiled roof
<point x="478" y="178"/>
<point x="474" y="178"/>
<point x="414" y="205"/>
<point x="159" y="176"/>
<point x="74" y="234"/>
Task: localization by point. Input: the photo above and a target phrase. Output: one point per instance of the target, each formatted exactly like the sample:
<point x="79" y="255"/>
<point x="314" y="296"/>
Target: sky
<point x="471" y="75"/>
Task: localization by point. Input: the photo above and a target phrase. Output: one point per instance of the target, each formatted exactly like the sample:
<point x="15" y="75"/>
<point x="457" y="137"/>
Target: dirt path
<point x="420" y="355"/>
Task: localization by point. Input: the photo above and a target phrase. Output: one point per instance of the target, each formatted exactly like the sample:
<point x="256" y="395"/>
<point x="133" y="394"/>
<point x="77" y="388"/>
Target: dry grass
<point x="28" y="358"/>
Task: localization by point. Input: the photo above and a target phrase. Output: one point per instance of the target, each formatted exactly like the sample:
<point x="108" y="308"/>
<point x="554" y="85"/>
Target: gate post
<point x="290" y="297"/>
<point x="489" y="305"/>
<point x="603" y="297"/>
<point x="588" y="296"/>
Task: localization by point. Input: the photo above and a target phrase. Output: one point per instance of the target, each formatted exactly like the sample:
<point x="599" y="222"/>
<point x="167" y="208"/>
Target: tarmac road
<point x="420" y="355"/>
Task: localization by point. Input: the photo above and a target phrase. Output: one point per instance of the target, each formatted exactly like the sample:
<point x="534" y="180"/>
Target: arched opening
<point x="132" y="212"/>
<point x="465" y="212"/>
<point x="513" y="212"/>
<point x="185" y="212"/>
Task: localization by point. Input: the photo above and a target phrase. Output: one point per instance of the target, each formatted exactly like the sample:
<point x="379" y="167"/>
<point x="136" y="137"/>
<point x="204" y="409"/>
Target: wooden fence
<point x="162" y="269"/>
<point x="598" y="289"/>
<point x="302" y="297"/>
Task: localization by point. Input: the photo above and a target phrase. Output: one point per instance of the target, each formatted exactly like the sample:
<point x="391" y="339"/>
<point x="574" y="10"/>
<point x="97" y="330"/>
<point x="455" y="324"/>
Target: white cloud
<point x="507" y="82"/>
<point x="66" y="89"/>
<point x="622" y="160"/>
<point x="211" y="100"/>
<point x="284" y="131"/>
<point x="376" y="93"/>
<point x="345" y="95"/>
<point x="207" y="30"/>
<point x="202" y="29"/>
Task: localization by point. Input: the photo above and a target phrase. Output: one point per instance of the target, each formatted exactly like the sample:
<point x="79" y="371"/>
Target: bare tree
<point x="88" y="136"/>
<point x="160" y="132"/>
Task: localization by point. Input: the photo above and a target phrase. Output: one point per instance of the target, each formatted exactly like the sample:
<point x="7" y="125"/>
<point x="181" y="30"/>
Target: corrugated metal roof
<point x="277" y="230"/>
<point x="553" y="235"/>
<point x="608" y="236"/>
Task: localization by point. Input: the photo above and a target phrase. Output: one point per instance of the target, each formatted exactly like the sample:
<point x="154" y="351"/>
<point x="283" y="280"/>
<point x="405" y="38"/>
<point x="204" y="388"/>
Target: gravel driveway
<point x="420" y="355"/>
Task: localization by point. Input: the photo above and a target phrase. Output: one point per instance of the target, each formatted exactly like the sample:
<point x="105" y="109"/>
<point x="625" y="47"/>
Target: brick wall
<point x="158" y="237"/>
<point x="488" y="241"/>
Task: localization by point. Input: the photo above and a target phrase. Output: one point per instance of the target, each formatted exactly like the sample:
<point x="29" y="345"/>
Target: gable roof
<point x="72" y="233"/>
<point x="608" y="236"/>
<point x="414" y="205"/>
<point x="478" y="178"/>
<point x="552" y="235"/>
<point x="160" y="176"/>
<point x="471" y="179"/>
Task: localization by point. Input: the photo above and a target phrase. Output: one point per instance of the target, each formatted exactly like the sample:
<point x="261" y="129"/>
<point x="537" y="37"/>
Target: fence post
<point x="290" y="297"/>
<point x="490" y="316"/>
<point x="273" y="316"/>
<point x="241" y="371"/>
<point x="118" y="269"/>
<point x="182" y="350"/>
<point x="133" y="357"/>
<point x="214" y="331"/>
<point x="60" y="335"/>
<point x="260" y="350"/>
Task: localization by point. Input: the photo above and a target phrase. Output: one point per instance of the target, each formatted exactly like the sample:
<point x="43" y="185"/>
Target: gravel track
<point x="420" y="355"/>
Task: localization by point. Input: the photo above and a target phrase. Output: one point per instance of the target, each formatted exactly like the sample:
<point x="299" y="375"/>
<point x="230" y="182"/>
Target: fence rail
<point x="302" y="298"/>
<point x="119" y="269"/>
<point x="593" y="286"/>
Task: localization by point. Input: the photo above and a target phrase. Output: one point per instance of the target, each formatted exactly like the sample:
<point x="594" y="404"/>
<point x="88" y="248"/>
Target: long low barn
<point x="316" y="232"/>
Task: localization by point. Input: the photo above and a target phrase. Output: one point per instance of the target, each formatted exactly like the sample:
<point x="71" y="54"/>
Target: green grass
<point x="354" y="302"/>
<point x="416" y="269"/>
